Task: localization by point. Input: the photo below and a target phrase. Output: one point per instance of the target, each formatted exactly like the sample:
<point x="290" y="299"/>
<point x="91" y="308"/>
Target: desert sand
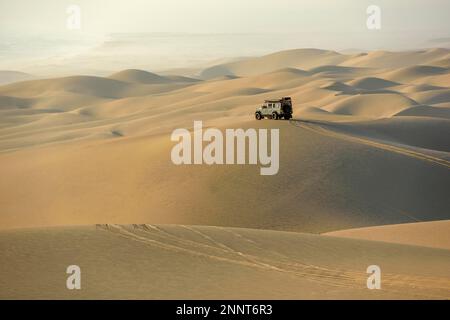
<point x="368" y="146"/>
<point x="193" y="262"/>
<point x="433" y="234"/>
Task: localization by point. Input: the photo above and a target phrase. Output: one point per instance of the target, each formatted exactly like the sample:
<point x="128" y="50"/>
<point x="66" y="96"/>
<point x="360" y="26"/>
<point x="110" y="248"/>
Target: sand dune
<point x="409" y="74"/>
<point x="138" y="76"/>
<point x="170" y="262"/>
<point x="359" y="184"/>
<point x="445" y="63"/>
<point x="426" y="111"/>
<point x="340" y="87"/>
<point x="432" y="234"/>
<point x="89" y="85"/>
<point x="432" y="96"/>
<point x="372" y="83"/>
<point x="86" y="85"/>
<point x="308" y="90"/>
<point x="9" y="76"/>
<point x="369" y="105"/>
<point x="420" y="88"/>
<point x="336" y="71"/>
<point x="11" y="102"/>
<point x="313" y="58"/>
<point x="404" y="130"/>
<point x="389" y="59"/>
<point x="145" y="77"/>
<point x="368" y="146"/>
<point x="300" y="58"/>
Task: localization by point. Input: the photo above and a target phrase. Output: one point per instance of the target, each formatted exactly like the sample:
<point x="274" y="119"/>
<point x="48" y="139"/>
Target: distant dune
<point x="8" y="76"/>
<point x="89" y="85"/>
<point x="412" y="73"/>
<point x="299" y="58"/>
<point x="373" y="83"/>
<point x="138" y="76"/>
<point x="313" y="58"/>
<point x="145" y="77"/>
<point x="370" y="105"/>
<point x="390" y="59"/>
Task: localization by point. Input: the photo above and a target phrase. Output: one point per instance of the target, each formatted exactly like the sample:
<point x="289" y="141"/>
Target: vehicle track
<point x="319" y="128"/>
<point x="156" y="236"/>
<point x="324" y="277"/>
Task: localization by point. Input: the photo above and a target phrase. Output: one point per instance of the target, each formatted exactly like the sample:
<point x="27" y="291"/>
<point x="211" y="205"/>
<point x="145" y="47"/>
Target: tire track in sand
<point x="323" y="276"/>
<point x="330" y="278"/>
<point x="317" y="127"/>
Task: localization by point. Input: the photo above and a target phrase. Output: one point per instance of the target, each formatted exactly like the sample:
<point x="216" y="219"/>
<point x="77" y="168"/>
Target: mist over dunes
<point x="7" y="76"/>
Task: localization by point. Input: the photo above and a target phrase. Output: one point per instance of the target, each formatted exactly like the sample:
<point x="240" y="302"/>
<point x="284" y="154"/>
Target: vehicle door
<point x="266" y="109"/>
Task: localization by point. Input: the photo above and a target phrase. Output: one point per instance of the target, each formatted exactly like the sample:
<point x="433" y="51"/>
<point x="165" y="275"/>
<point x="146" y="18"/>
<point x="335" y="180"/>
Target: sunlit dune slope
<point x="433" y="234"/>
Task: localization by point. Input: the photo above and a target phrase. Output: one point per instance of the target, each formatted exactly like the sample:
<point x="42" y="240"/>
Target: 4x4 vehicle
<point x="275" y="109"/>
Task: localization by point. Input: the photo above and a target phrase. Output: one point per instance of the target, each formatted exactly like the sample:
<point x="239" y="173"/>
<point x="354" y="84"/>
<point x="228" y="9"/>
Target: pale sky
<point x="223" y="16"/>
<point x="166" y="34"/>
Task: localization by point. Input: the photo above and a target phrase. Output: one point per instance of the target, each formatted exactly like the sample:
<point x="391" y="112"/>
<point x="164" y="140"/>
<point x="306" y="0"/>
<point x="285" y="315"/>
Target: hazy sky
<point x="222" y="16"/>
<point x="119" y="34"/>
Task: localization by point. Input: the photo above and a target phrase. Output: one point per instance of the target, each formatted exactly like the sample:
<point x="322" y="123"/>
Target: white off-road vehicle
<point x="275" y="109"/>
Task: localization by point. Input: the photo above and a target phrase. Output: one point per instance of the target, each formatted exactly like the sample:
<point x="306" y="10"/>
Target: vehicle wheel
<point x="287" y="117"/>
<point x="274" y="116"/>
<point x="258" y="116"/>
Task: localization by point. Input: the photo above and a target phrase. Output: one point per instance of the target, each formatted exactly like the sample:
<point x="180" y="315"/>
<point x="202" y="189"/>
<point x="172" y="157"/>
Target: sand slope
<point x="433" y="234"/>
<point x="187" y="262"/>
<point x="359" y="184"/>
<point x="375" y="151"/>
